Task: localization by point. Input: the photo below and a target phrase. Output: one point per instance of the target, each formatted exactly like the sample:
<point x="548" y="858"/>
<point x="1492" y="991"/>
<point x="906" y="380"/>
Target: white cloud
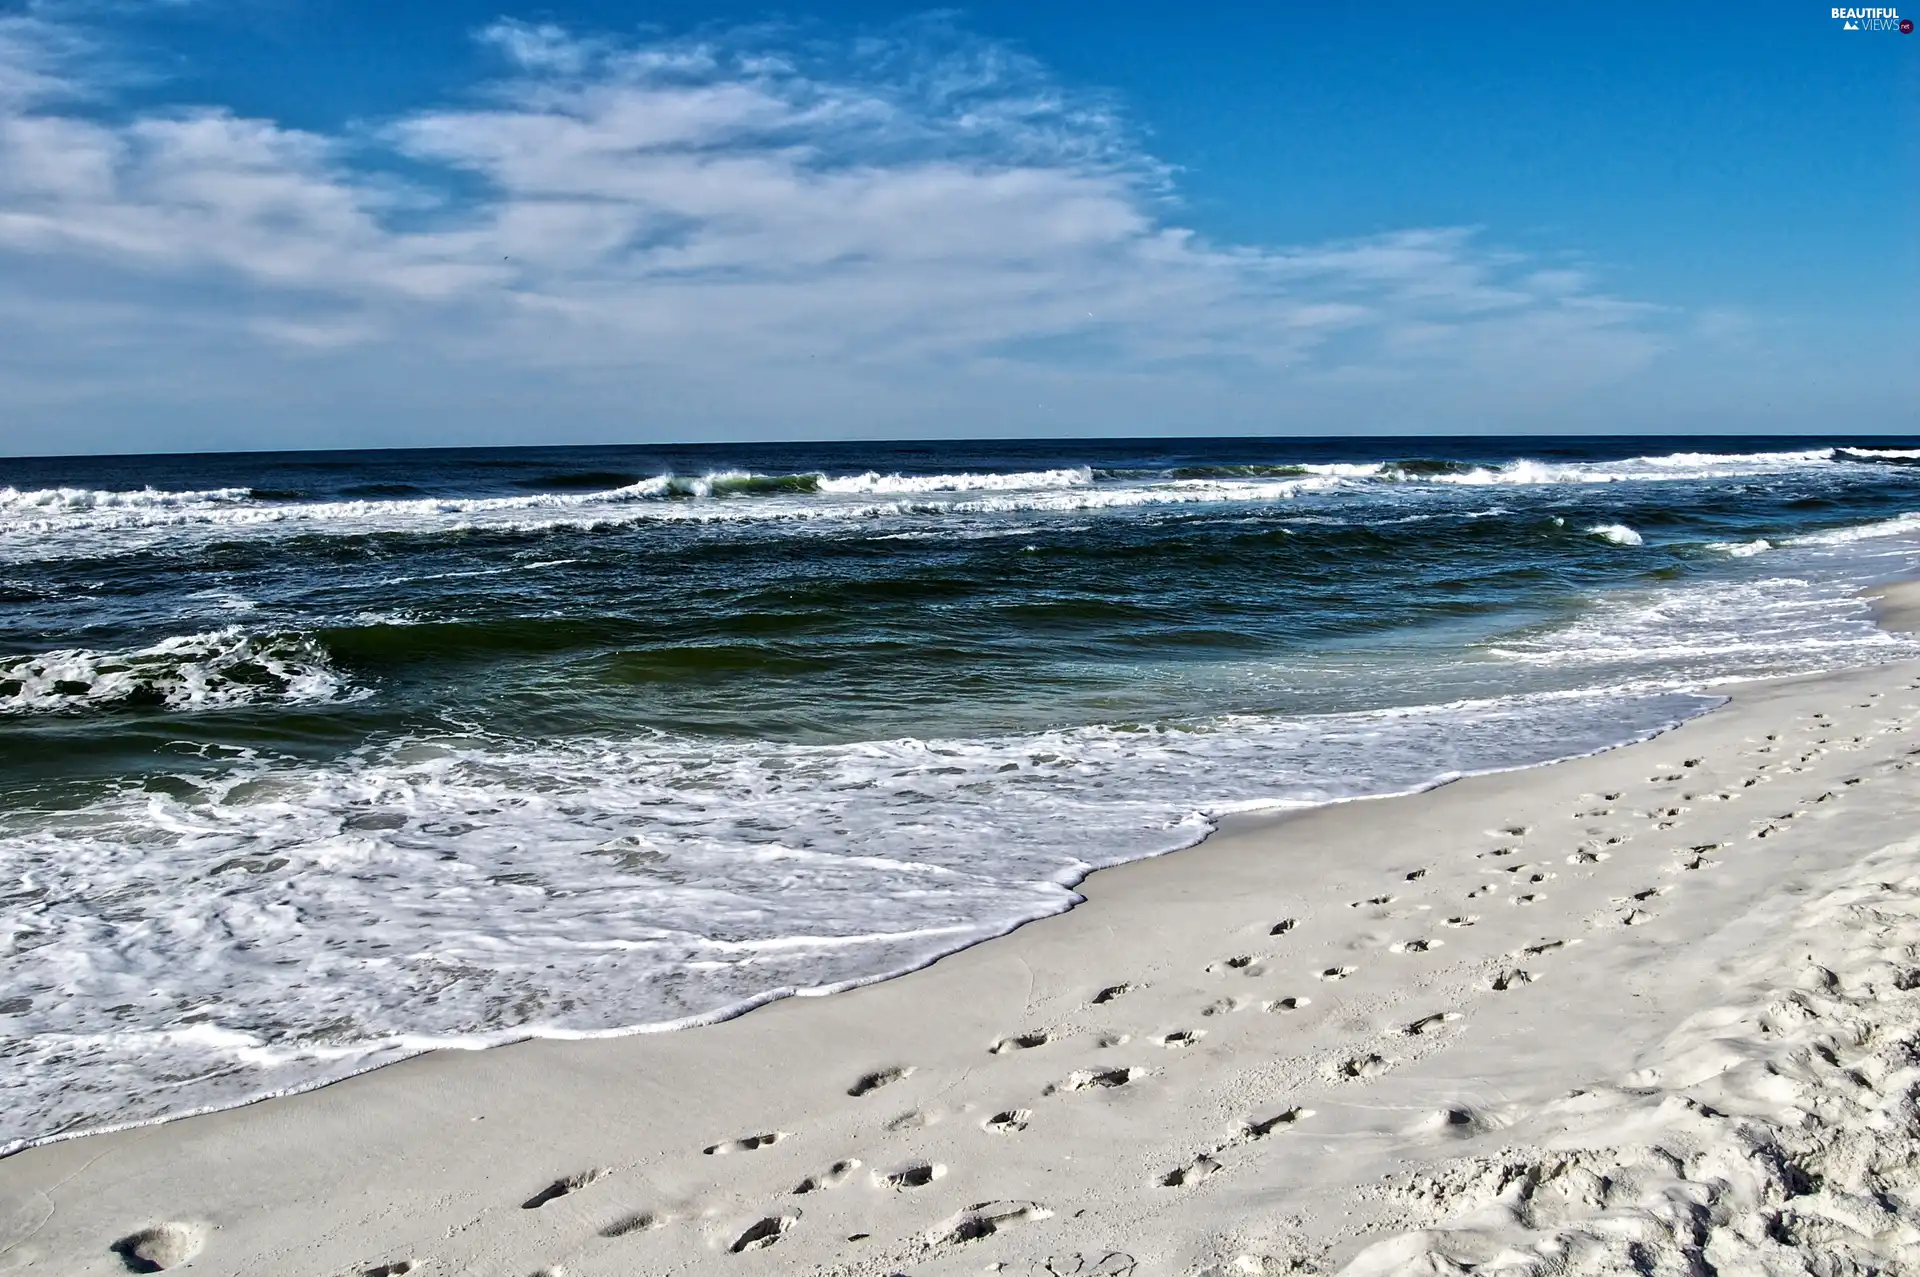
<point x="679" y="218"/>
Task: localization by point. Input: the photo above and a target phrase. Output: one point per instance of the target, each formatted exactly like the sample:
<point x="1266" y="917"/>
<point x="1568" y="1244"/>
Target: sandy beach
<point x="1645" y="1011"/>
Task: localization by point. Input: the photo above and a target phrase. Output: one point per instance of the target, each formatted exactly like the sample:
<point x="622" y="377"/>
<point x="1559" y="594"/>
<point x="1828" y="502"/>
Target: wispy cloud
<point x="919" y="209"/>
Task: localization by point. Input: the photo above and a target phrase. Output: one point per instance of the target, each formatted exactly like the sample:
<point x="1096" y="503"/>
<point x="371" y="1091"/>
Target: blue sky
<point x="323" y="223"/>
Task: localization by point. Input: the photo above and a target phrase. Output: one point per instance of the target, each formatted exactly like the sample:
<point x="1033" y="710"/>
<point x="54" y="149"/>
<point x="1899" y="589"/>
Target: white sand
<point x="1652" y="1011"/>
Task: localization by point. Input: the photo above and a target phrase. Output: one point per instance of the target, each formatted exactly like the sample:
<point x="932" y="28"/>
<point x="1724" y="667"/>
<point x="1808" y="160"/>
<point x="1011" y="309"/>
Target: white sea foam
<point x="872" y="483"/>
<point x="1354" y="469"/>
<point x="1905" y="525"/>
<point x="1700" y="635"/>
<point x="1672" y="467"/>
<point x="53" y="500"/>
<point x="1742" y="549"/>
<point x="280" y="923"/>
<point x="196" y="671"/>
<point x="1618" y="533"/>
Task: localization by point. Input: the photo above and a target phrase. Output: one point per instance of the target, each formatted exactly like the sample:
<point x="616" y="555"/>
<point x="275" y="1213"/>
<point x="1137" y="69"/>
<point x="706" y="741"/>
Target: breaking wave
<point x="1664" y="469"/>
<point x="216" y="670"/>
<point x="1901" y="525"/>
<point x="15" y="504"/>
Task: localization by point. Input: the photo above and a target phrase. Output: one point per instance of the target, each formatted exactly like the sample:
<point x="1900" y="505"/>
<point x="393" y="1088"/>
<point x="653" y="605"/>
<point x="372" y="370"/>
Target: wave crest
<point x="218" y="669"/>
<point x="56" y="500"/>
<point x="878" y="484"/>
<point x="1618" y="533"/>
<point x="1669" y="468"/>
<point x="1907" y="524"/>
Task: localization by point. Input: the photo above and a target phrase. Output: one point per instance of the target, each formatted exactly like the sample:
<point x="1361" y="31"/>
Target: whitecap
<point x="874" y="483"/>
<point x="218" y="669"/>
<point x="1907" y="524"/>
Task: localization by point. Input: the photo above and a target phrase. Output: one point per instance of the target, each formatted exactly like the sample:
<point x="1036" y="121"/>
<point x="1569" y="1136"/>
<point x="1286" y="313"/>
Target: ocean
<point x="309" y="762"/>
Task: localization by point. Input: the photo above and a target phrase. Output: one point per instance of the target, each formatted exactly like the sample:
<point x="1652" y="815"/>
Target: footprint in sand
<point x="984" y="1219"/>
<point x="763" y="1233"/>
<point x="745" y="1144"/>
<point x="1244" y="963"/>
<point x="1284" y="1005"/>
<point x="1510" y="980"/>
<point x="1094" y="1079"/>
<point x="1462" y="920"/>
<point x="874" y="1081"/>
<point x="1199" y="1169"/>
<point x="1414" y="946"/>
<point x="645" y="1221"/>
<point x="1111" y="992"/>
<point x="1283" y="926"/>
<point x="1259" y="1130"/>
<point x="563" y="1186"/>
<point x="1021" y="1042"/>
<point x="1337" y="973"/>
<point x="398" y="1268"/>
<point x="1221" y="1006"/>
<point x="833" y="1177"/>
<point x="913" y="1175"/>
<point x="1182" y="1038"/>
<point x="1459" y="1122"/>
<point x="1009" y="1122"/>
<point x="1428" y="1023"/>
<point x="164" y="1246"/>
<point x="1360" y="1067"/>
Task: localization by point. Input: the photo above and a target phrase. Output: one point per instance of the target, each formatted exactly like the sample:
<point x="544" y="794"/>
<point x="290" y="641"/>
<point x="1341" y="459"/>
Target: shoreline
<point x="1221" y="1125"/>
<point x="1248" y="818"/>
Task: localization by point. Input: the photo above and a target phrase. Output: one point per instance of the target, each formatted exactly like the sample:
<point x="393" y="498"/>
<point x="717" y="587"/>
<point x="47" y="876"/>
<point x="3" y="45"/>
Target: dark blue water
<point x="311" y="760"/>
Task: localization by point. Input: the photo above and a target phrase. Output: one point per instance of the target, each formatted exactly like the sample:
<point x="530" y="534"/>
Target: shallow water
<point x="312" y="761"/>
